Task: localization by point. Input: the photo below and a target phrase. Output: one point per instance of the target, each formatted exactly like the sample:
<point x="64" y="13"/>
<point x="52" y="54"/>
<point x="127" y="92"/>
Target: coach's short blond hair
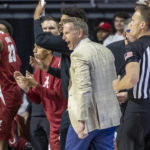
<point x="145" y="15"/>
<point x="78" y="24"/>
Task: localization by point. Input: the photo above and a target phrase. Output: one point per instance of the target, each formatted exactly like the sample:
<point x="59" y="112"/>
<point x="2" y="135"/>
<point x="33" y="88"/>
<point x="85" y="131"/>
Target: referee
<point x="135" y="127"/>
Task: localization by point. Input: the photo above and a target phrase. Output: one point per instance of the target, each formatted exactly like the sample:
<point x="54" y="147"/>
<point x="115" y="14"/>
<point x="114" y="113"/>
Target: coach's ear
<point x="143" y="25"/>
<point x="80" y="33"/>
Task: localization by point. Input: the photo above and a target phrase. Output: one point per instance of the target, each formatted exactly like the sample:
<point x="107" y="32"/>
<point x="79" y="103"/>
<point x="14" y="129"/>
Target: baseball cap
<point x="141" y="2"/>
<point x="105" y="25"/>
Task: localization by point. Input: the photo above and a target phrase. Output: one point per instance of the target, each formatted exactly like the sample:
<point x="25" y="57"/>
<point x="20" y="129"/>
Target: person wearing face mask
<point x="39" y="125"/>
<point x="45" y="87"/>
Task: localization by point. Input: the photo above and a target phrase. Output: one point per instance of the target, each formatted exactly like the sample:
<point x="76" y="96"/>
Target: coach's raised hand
<point x="39" y="10"/>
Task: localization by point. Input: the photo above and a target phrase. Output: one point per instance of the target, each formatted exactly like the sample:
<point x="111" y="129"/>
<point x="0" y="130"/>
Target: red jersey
<point x="49" y="91"/>
<point x="10" y="62"/>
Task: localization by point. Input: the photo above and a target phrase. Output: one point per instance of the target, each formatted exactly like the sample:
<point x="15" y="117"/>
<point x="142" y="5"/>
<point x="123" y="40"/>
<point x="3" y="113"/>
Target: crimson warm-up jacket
<point x="49" y="92"/>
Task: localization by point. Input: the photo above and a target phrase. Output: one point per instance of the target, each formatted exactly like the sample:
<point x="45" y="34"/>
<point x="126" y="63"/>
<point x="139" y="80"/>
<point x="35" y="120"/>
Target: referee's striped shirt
<point x="139" y="51"/>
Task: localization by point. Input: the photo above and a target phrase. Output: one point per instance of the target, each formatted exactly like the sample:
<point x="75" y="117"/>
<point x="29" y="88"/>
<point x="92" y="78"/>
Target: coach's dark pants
<point x="134" y="130"/>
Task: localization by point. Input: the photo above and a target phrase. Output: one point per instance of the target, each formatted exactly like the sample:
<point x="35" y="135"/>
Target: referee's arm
<point x="130" y="79"/>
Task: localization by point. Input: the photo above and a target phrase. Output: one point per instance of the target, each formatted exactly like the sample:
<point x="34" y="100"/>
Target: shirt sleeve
<point x="131" y="54"/>
<point x="48" y="40"/>
<point x="34" y="96"/>
<point x="44" y="92"/>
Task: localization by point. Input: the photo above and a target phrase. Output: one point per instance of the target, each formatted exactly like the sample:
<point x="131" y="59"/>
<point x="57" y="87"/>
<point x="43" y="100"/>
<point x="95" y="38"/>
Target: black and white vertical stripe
<point x="142" y="89"/>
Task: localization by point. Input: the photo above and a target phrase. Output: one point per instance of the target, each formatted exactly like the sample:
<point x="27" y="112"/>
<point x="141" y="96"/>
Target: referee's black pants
<point x="134" y="130"/>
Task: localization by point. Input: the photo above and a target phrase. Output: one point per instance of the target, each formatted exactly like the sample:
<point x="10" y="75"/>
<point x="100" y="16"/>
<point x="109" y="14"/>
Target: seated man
<point x="45" y="88"/>
<point x="39" y="125"/>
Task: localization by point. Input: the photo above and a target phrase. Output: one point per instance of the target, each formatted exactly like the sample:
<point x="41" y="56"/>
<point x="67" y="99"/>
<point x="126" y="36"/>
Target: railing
<point x="94" y="8"/>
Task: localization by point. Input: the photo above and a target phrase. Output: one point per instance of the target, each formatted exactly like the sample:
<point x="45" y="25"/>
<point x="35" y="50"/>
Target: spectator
<point x="104" y="30"/>
<point x="119" y="19"/>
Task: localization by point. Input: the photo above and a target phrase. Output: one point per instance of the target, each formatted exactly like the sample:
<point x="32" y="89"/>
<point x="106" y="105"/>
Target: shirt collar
<point x="79" y="44"/>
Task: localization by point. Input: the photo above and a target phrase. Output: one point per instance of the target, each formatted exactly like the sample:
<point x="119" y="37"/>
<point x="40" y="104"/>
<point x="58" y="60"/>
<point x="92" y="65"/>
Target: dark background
<point x="20" y="14"/>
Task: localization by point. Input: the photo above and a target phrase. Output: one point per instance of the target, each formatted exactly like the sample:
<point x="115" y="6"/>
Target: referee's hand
<point x="122" y="97"/>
